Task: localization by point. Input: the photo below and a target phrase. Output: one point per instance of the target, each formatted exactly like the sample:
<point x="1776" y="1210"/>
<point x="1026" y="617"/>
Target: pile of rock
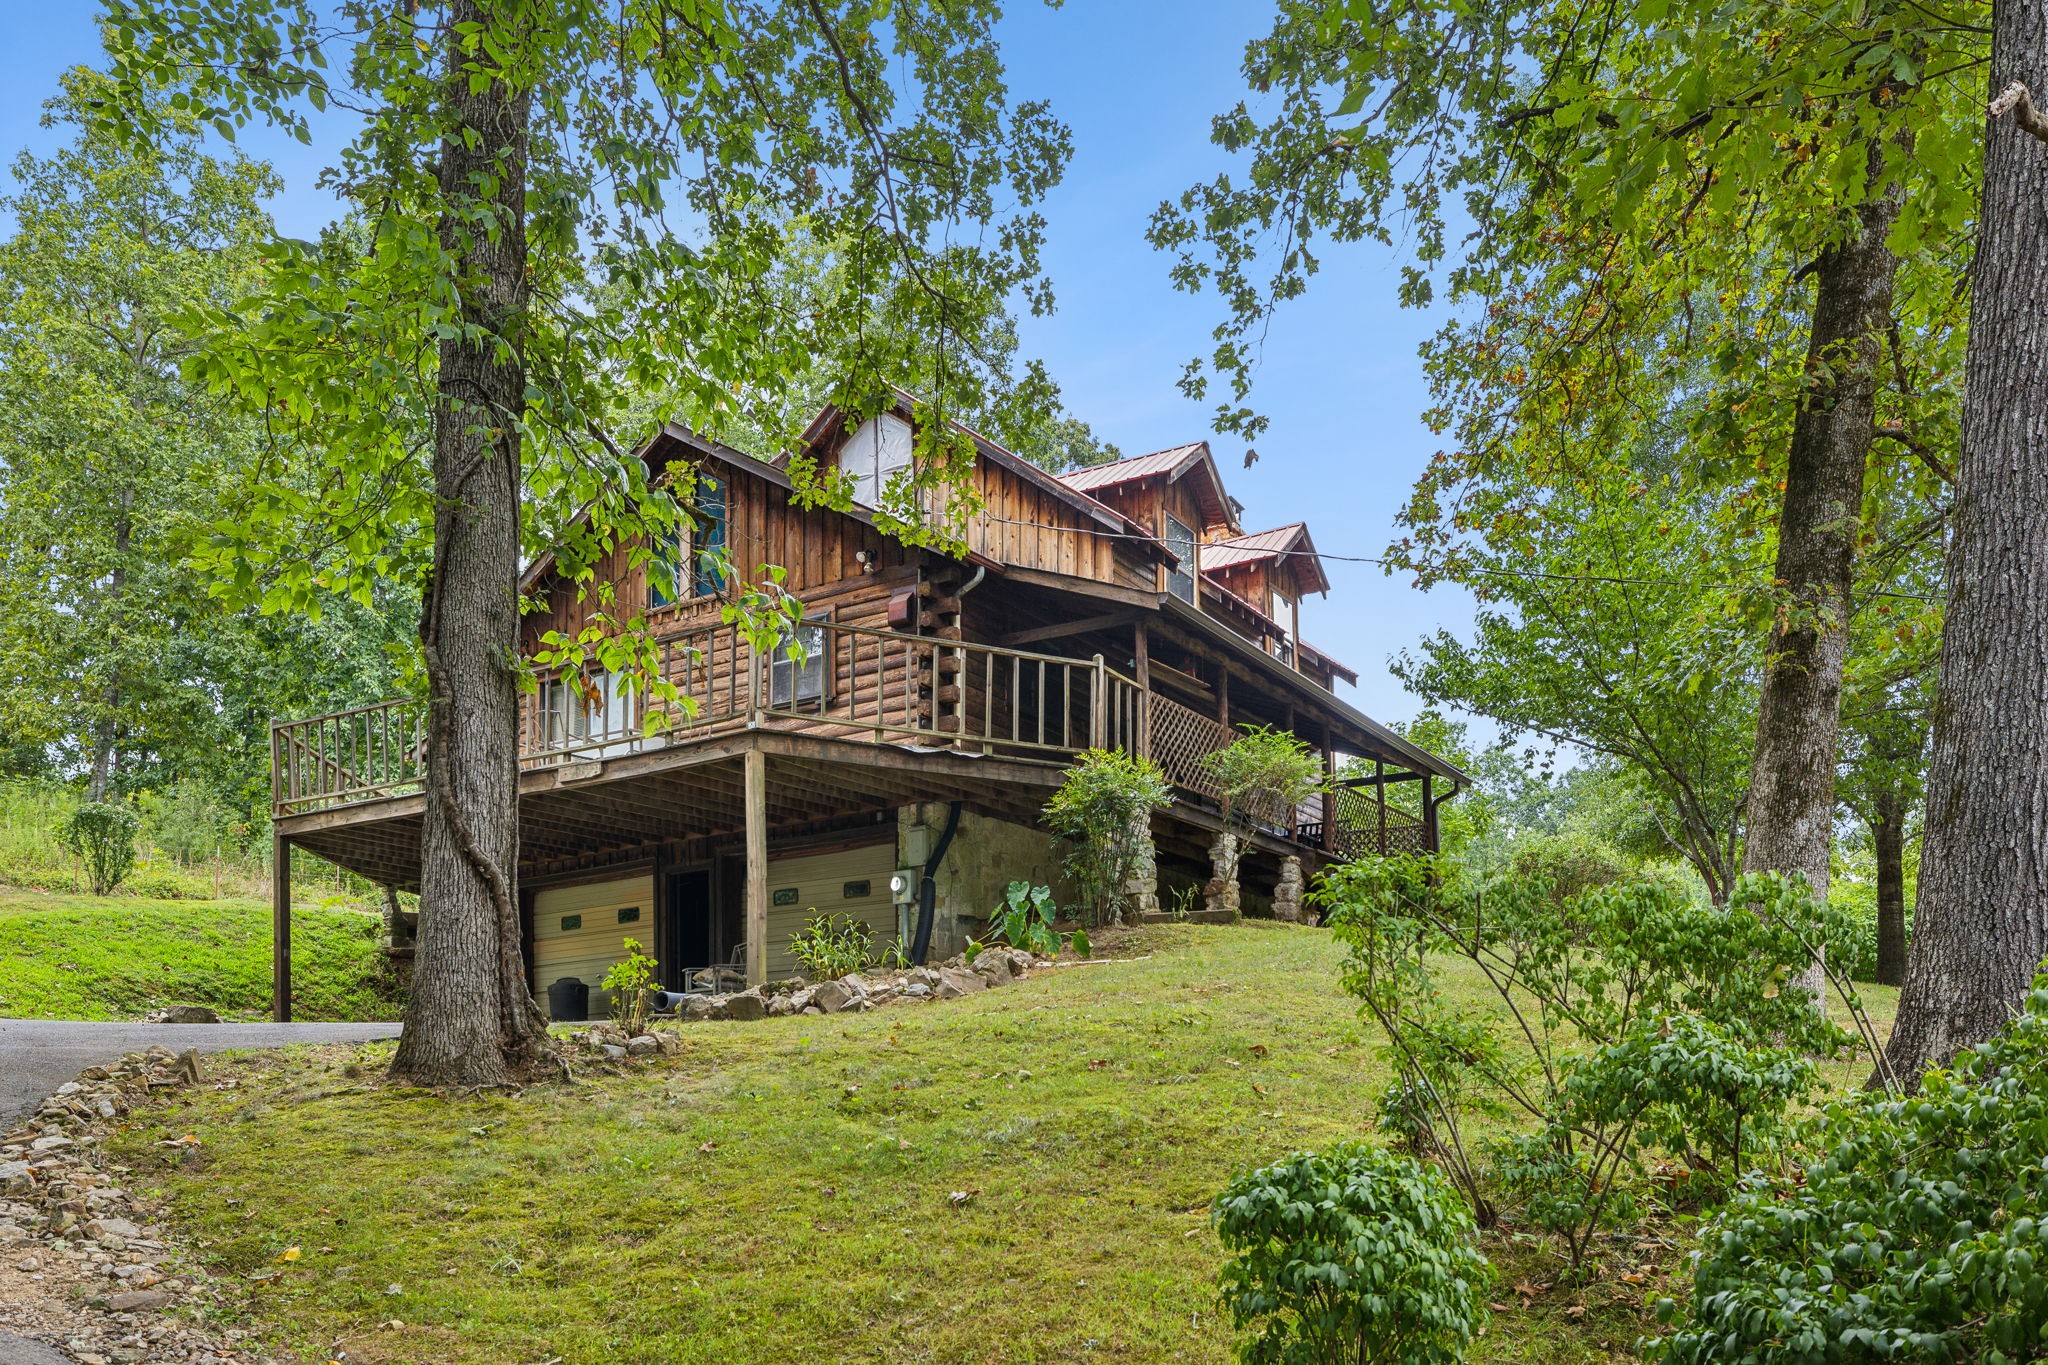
<point x="69" y="1230"/>
<point x="852" y="993"/>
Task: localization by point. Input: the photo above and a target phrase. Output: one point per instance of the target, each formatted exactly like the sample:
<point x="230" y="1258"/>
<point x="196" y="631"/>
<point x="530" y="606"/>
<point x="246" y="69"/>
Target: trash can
<point x="568" y="1000"/>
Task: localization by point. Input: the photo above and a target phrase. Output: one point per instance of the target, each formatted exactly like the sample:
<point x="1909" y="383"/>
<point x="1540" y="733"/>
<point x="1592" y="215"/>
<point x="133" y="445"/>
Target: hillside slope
<point x="1020" y="1175"/>
<point x="118" y="957"/>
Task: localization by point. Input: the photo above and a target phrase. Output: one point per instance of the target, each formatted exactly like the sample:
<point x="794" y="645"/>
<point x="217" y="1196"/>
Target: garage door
<point x="847" y="881"/>
<point x="581" y="931"/>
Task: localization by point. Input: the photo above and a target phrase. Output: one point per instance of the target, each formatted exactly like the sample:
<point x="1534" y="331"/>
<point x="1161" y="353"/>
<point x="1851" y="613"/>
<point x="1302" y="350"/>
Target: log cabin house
<point x="893" y="767"/>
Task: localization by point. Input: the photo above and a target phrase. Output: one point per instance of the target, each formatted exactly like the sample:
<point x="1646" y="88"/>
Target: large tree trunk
<point x="1980" y="924"/>
<point x="1791" y="806"/>
<point x="471" y="1019"/>
<point x="1888" y="840"/>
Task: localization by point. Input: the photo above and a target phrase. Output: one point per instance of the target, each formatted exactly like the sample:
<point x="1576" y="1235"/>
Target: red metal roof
<point x="1289" y="544"/>
<point x="1167" y="462"/>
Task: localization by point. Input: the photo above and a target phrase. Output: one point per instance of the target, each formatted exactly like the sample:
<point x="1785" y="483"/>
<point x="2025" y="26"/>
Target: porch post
<point x="1329" y="791"/>
<point x="757" y="867"/>
<point x="1379" y="778"/>
<point x="280" y="928"/>
<point x="1429" y="831"/>
<point x="1142" y="664"/>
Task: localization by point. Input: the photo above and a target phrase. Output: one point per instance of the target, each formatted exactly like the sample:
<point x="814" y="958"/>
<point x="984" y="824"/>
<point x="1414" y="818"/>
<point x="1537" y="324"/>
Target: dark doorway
<point x="687" y="921"/>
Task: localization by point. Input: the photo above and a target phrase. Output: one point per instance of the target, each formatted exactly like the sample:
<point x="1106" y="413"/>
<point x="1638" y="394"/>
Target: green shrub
<point x="1101" y="813"/>
<point x="102" y="836"/>
<point x="1917" y="1233"/>
<point x="1635" y="1019"/>
<point x="1350" y="1255"/>
<point x="189" y="821"/>
<point x="157" y="882"/>
<point x="630" y="984"/>
<point x="833" y="945"/>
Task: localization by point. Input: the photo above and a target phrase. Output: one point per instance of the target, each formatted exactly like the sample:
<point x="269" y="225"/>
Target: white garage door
<point x="581" y="931"/>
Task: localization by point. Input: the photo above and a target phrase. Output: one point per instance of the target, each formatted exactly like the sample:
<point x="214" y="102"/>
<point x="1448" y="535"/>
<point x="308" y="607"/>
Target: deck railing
<point x="835" y="680"/>
<point x="838" y="681"/>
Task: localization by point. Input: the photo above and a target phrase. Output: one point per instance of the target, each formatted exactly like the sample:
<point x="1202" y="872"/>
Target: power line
<point x="1612" y="580"/>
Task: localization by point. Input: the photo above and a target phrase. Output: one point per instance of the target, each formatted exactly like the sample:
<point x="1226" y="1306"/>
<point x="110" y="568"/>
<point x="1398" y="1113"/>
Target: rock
<point x="12" y="1234"/>
<point x="185" y="1014"/>
<point x="697" y="1007"/>
<point x="993" y="966"/>
<point x="15" y="1177"/>
<point x="137" y="1300"/>
<point x="954" y="983"/>
<point x="16" y="1350"/>
<point x="69" y="1088"/>
<point x="747" y="1005"/>
<point x="612" y="1051"/>
<point x="781" y="1005"/>
<point x="833" y="996"/>
<point x="117" y="1229"/>
<point x="643" y="1045"/>
<point x="917" y="990"/>
<point x="55" y="1142"/>
<point x="29" y="1265"/>
<point x="669" y="1043"/>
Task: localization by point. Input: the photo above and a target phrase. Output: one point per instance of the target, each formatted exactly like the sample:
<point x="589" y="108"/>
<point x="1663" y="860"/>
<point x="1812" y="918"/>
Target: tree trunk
<point x="105" y="730"/>
<point x="470" y="1019"/>
<point x="1791" y="805"/>
<point x="1980" y="925"/>
<point x="1888" y="839"/>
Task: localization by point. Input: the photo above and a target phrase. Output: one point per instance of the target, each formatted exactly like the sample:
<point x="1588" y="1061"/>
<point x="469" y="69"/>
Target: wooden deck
<point x="603" y="762"/>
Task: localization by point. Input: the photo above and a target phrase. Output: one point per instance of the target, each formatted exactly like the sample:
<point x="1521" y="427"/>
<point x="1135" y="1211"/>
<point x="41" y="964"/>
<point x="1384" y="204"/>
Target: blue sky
<point x="1137" y="80"/>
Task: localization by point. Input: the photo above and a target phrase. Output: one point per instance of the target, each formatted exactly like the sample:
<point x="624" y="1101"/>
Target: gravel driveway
<point x="38" y="1055"/>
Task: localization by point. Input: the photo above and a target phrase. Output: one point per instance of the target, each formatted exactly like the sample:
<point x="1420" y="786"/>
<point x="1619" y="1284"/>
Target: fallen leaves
<point x="960" y="1199"/>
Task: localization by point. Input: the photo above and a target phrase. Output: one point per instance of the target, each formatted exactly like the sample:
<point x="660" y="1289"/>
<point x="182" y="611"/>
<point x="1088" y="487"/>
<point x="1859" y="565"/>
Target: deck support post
<point x="1329" y="791"/>
<point x="1141" y="664"/>
<point x="1430" y="840"/>
<point x="1379" y="784"/>
<point x="280" y="929"/>
<point x="757" y="867"/>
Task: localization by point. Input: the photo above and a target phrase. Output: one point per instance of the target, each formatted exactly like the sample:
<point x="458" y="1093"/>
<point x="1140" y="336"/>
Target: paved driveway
<point x="38" y="1055"/>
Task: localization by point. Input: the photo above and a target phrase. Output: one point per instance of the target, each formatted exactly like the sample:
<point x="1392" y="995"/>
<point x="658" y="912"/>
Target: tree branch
<point x="2015" y="100"/>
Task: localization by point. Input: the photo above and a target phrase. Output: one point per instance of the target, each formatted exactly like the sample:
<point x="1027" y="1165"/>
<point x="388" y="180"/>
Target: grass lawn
<point x="73" y="956"/>
<point x="790" y="1190"/>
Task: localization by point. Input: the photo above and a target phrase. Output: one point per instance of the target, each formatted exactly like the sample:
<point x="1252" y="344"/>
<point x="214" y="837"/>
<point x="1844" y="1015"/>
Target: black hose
<point x="928" y="889"/>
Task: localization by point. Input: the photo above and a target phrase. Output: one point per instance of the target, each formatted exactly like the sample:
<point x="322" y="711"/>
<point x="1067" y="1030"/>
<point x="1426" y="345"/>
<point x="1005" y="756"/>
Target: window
<point x="708" y="576"/>
<point x="796" y="669"/>
<point x="1180" y="581"/>
<point x="878" y="450"/>
<point x="692" y="555"/>
<point x="575" y="711"/>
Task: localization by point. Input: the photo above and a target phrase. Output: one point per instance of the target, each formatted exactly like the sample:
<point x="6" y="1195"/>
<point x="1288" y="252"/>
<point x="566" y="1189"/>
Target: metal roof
<point x="1289" y="543"/>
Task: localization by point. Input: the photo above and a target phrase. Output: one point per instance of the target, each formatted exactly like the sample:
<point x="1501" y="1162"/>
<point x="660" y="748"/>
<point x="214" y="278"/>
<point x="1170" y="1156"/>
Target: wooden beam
<point x="1062" y="629"/>
<point x="1141" y="658"/>
<point x="757" y="867"/>
<point x="281" y="929"/>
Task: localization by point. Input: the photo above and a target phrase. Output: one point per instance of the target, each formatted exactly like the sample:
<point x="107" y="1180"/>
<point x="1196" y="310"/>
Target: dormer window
<point x="876" y="452"/>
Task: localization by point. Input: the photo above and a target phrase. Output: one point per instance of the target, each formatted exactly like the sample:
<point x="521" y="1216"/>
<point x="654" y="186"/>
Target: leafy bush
<point x="190" y="822"/>
<point x="630" y="983"/>
<point x="1102" y="812"/>
<point x="833" y="945"/>
<point x="1025" y="920"/>
<point x="102" y="836"/>
<point x="1353" y="1255"/>
<point x="1262" y="777"/>
<point x="157" y="882"/>
<point x="1636" y="1019"/>
<point x="1917" y="1233"/>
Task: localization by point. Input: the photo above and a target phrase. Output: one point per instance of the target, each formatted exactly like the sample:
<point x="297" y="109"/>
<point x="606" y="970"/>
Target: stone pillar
<point x="1287" y="893"/>
<point x="1141" y="887"/>
<point x="1220" y="894"/>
